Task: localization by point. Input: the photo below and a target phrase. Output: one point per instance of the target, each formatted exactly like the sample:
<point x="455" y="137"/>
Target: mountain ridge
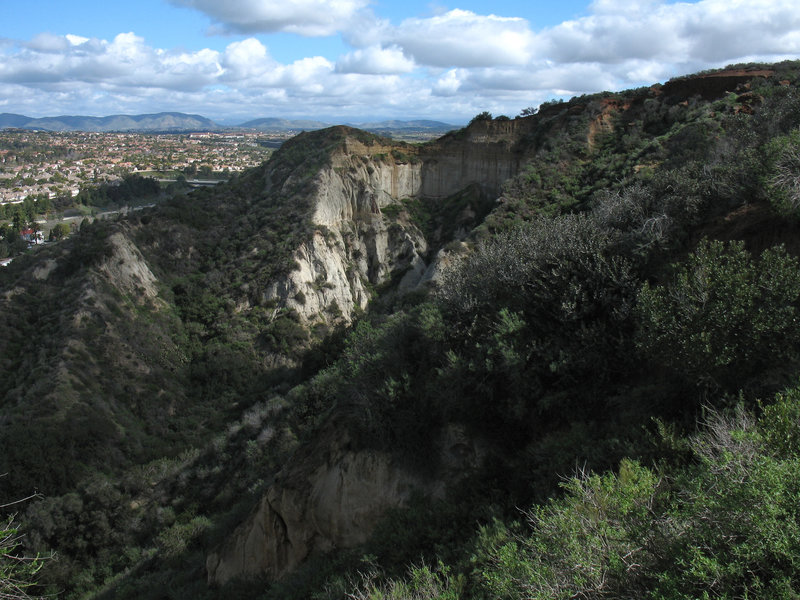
<point x="164" y="121"/>
<point x="178" y="121"/>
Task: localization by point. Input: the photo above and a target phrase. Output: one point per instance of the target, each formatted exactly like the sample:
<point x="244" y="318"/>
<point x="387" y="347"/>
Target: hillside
<point x="550" y="356"/>
<point x="151" y="122"/>
<point x="277" y="124"/>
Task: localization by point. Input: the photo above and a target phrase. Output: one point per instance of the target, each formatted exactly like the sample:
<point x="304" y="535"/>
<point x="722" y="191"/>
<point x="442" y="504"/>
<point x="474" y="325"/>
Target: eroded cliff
<point x="356" y="245"/>
<point x="332" y="496"/>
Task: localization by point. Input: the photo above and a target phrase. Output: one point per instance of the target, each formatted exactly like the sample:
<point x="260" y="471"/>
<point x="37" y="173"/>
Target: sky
<point x="364" y="60"/>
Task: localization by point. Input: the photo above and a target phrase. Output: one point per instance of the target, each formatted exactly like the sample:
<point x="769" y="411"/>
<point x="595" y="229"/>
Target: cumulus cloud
<point x="375" y="61"/>
<point x="304" y="17"/>
<point x="461" y="38"/>
<point x="709" y="31"/>
<point x="124" y="62"/>
<point x="49" y="43"/>
<point x="454" y="63"/>
<point x="449" y="83"/>
<point x="246" y="59"/>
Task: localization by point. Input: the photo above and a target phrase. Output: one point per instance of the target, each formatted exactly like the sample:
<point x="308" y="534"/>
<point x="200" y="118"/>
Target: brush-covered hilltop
<point x="554" y="356"/>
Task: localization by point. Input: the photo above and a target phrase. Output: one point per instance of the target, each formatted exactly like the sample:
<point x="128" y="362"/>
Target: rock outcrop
<point x="331" y="497"/>
<point x="356" y="246"/>
<point x="487" y="154"/>
<point x="353" y="247"/>
<point x="337" y="505"/>
<point x="127" y="270"/>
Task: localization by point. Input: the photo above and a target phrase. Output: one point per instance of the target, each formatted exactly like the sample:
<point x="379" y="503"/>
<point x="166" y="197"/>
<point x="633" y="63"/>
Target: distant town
<point x="49" y="165"/>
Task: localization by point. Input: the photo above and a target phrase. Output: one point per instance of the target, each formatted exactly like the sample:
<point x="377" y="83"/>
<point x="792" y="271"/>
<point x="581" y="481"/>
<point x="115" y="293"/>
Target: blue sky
<point x="355" y="60"/>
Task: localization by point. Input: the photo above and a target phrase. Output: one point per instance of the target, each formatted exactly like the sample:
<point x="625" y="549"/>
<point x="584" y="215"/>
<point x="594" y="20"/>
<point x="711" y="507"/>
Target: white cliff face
<point x="127" y="269"/>
<point x="354" y="247"/>
<point x="360" y="184"/>
<point x="485" y="154"/>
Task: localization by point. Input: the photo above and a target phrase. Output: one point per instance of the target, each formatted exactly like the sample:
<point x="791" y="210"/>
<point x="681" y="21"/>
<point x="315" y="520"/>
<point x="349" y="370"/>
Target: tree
<point x="484" y="116"/>
<point x="18" y="220"/>
<point x="60" y="231"/>
<point x="549" y="302"/>
<point x="783" y="183"/>
<point x="17" y="571"/>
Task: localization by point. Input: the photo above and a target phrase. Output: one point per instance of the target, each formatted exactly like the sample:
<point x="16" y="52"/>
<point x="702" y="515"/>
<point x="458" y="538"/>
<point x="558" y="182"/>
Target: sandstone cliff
<point x="355" y="246"/>
<point x="487" y="154"/>
<point x="331" y="496"/>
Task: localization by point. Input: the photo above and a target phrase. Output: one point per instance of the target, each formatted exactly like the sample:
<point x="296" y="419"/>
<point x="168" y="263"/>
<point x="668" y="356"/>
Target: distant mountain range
<point x="419" y="124"/>
<point x="276" y="124"/>
<point x="168" y="121"/>
<point x="174" y="121"/>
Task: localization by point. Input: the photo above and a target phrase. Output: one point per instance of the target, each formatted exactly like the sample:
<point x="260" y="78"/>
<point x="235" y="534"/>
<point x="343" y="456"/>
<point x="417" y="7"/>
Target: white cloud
<point x="304" y="17"/>
<point x="611" y="39"/>
<point x="48" y="43"/>
<point x="449" y="83"/>
<point x="375" y="60"/>
<point x="76" y="40"/>
<point x="711" y="31"/>
<point x="246" y="59"/>
<point x="455" y="63"/>
<point x="460" y="38"/>
<point x="306" y="75"/>
<point x="126" y="62"/>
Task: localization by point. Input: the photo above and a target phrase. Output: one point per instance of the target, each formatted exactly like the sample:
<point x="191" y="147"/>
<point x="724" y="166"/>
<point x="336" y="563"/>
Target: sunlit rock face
<point x="355" y="247"/>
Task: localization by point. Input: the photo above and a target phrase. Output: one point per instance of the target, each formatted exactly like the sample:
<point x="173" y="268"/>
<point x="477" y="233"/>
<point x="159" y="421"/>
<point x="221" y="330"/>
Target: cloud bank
<point x="449" y="66"/>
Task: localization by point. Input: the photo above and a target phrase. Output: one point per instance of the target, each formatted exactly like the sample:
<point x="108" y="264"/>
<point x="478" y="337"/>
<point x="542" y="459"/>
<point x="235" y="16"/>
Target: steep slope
<point x="332" y="188"/>
<point x="557" y="161"/>
<point x="228" y="429"/>
<point x="91" y="367"/>
<point x="314" y="508"/>
<point x="209" y="296"/>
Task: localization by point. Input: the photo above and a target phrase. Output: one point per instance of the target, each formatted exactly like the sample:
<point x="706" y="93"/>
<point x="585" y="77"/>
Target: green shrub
<point x="734" y="529"/>
<point x="725" y="317"/>
<point x="590" y="544"/>
<point x="538" y="310"/>
<point x="727" y="525"/>
<point x="484" y="116"/>
<point x="421" y="583"/>
<point x="783" y="179"/>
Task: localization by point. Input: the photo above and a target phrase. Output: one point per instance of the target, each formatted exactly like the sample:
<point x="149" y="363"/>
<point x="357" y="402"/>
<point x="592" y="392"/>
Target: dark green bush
<point x="725" y="318"/>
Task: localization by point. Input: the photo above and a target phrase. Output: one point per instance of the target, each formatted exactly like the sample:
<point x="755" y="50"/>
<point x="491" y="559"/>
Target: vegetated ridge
<point x="343" y="373"/>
